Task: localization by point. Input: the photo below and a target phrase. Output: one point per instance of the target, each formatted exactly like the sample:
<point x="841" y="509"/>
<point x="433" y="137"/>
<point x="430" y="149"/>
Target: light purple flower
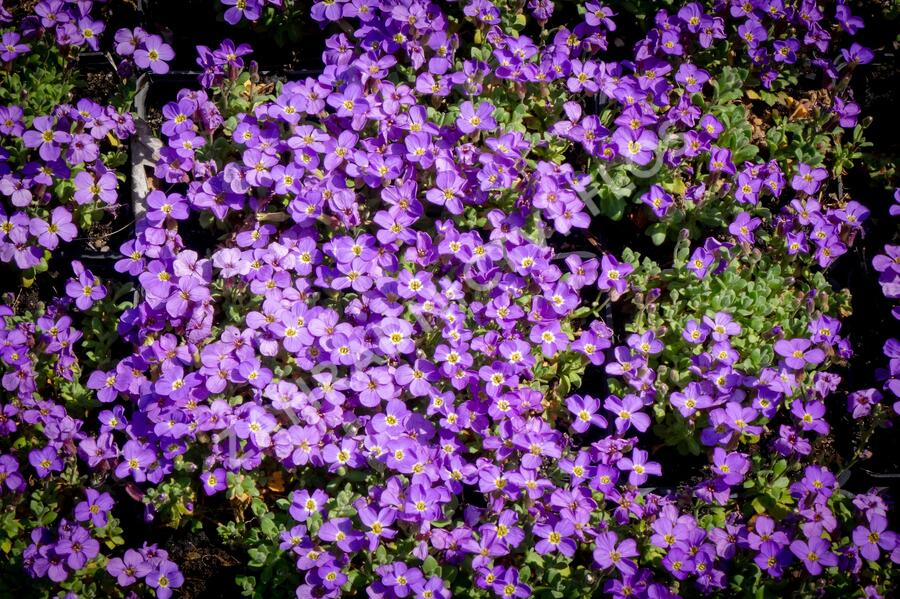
<point x="45" y="461"/>
<point x="59" y="227"/>
<point x="638" y="467"/>
<point x="585" y="411"/>
<point x="797" y="353"/>
<point x="627" y="412"/>
<point x="153" y="54"/>
<point x="473" y="119"/>
<point x="214" y="481"/>
<point x="609" y="552"/>
<point x="808" y="179"/>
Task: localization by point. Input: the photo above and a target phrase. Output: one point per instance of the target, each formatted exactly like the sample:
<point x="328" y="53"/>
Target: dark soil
<point x="209" y="570"/>
<point x="871" y="324"/>
<point x="290" y="41"/>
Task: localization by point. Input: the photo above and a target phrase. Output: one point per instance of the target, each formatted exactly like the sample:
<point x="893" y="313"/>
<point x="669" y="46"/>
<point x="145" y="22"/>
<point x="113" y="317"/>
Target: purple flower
<point x="59" y="227"/>
<point x="128" y="40"/>
<point x="85" y="290"/>
<point x="256" y="424"/>
<point x="163" y="206"/>
<point x="400" y="578"/>
<point x="471" y="119"/>
<point x="824" y="329"/>
<point x="433" y="589"/>
<point x="585" y="411"/>
<point x="165" y="577"/>
<point x="847" y="112"/>
<point x="10" y="47"/>
<point x="11" y="122"/>
<point x="613" y="274"/>
<point x="78" y="548"/>
<point x="351" y="103"/>
<point x="817" y="480"/>
<point x="691" y="77"/>
<point x="174" y="383"/>
<point x="739" y="417"/>
<point x="583" y="77"/>
<point x="691" y="399"/>
<point x="722" y="326"/>
<point x="449" y="191"/>
<point x="214" y="481"/>
<point x="242" y="9"/>
<point x="326" y="10"/>
<point x="807" y="179"/>
<point x="10" y="477"/>
<point x="857" y="54"/>
<point x="129" y="568"/>
<point x="609" y="552"/>
<point x="772" y="558"/>
<point x="796" y="353"/>
<point x="814" y="553"/>
<point x="94" y="508"/>
<point x="658" y="200"/>
<point x="636" y="144"/>
<point x="638" y="467"/>
<point x="304" y="504"/>
<point x="790" y="442"/>
<point x="136" y="460"/>
<point x="730" y="467"/>
<point x="550" y="337"/>
<point x="508" y="585"/>
<point x="378" y="522"/>
<point x="582" y="272"/>
<point x="45" y="461"/>
<point x="95" y="186"/>
<point x="700" y="261"/>
<point x="555" y="538"/>
<point x="811" y="416"/>
<point x="873" y="537"/>
<point x="153" y="54"/>
<point x="395" y="337"/>
<point x="860" y="403"/>
<point x="720" y="161"/>
<point x="743" y="226"/>
<point x="752" y="32"/>
<point x="711" y="127"/>
<point x="491" y="478"/>
<point x="90" y="30"/>
<point x="47" y="139"/>
<point x="785" y="51"/>
<point x="345" y="454"/>
<point x="646" y="343"/>
<point x="591" y="345"/>
<point x="627" y="412"/>
<point x="694" y="332"/>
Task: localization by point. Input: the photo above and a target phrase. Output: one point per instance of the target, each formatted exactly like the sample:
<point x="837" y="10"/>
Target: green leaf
<point x="431" y="567"/>
<point x="657" y="233"/>
<point x="257" y="557"/>
<point x="268" y="528"/>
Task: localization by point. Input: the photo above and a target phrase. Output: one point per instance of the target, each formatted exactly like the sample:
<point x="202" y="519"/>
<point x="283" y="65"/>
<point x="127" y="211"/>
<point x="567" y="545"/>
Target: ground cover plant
<point x="497" y="298"/>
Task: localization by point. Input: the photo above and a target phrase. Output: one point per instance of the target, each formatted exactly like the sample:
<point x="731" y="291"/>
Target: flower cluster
<point x="149" y="564"/>
<point x="394" y="351"/>
<point x="60" y="179"/>
<point x="69" y="25"/>
<point x="888" y="264"/>
<point x="143" y="50"/>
